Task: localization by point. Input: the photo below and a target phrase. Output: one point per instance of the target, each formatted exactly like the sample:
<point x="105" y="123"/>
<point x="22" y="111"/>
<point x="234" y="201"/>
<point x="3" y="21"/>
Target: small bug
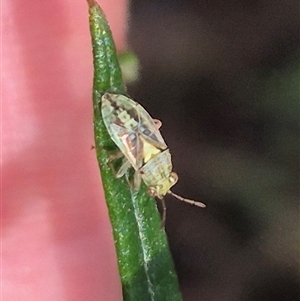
<point x="138" y="137"/>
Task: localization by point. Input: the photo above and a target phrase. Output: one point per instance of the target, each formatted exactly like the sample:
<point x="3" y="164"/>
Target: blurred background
<point x="223" y="76"/>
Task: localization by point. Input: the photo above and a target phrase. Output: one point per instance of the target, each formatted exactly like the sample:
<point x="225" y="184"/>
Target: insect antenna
<point x="192" y="202"/>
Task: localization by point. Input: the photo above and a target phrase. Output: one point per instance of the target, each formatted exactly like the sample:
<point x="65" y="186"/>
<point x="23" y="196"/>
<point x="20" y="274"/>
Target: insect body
<point x="138" y="137"/>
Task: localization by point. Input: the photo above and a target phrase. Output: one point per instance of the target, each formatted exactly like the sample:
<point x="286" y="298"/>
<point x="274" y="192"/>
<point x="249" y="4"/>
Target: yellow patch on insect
<point x="138" y="137"/>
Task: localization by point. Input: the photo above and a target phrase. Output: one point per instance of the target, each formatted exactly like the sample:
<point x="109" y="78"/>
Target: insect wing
<point x="121" y="127"/>
<point x="148" y="130"/>
<point x="131" y="128"/>
<point x="129" y="143"/>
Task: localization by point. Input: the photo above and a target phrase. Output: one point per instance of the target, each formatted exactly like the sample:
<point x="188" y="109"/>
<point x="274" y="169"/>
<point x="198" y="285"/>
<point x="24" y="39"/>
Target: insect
<point x="138" y="137"/>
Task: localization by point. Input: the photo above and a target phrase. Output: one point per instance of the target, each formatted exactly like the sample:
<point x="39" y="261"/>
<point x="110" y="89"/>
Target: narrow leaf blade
<point x="145" y="264"/>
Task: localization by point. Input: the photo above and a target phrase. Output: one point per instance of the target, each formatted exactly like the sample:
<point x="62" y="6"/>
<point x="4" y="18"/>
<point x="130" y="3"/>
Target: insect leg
<point x="164" y="213"/>
<point x="137" y="180"/>
<point x="116" y="156"/>
<point x="125" y="166"/>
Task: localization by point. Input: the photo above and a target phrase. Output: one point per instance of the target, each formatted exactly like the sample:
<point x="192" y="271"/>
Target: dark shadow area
<point x="224" y="80"/>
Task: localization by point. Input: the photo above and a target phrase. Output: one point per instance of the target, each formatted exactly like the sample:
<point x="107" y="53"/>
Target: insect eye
<point x="173" y="177"/>
<point x="152" y="191"/>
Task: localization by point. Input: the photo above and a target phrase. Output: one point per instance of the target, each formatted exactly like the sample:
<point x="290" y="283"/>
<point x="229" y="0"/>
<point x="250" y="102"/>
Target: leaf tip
<point x="92" y="3"/>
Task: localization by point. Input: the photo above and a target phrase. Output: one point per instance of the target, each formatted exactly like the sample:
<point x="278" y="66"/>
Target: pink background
<point x="56" y="237"/>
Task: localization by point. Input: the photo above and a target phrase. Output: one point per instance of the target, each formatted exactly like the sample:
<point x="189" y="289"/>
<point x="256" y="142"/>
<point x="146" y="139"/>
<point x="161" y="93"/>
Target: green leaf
<point x="145" y="264"/>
